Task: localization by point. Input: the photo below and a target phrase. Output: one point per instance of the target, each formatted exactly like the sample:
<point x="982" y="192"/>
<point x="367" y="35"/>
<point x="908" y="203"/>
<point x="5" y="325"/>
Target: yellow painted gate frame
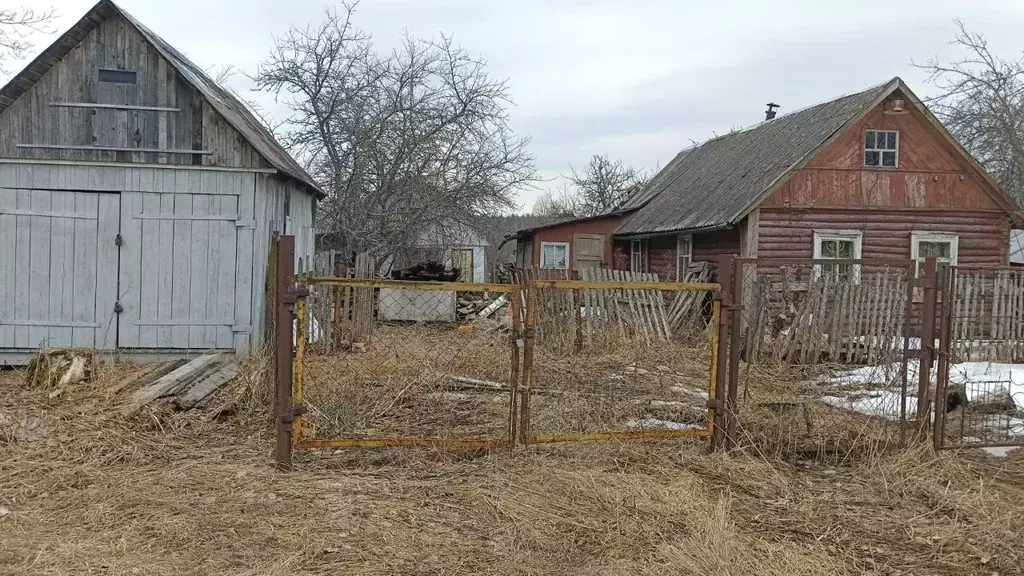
<point x="521" y="338"/>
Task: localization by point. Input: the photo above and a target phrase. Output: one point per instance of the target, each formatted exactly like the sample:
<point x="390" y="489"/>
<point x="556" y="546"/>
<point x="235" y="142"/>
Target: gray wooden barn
<point x="138" y="200"/>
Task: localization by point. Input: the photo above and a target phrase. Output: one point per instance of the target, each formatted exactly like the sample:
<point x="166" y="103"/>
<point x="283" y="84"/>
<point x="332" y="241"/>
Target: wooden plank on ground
<point x="147" y="376"/>
<point x="157" y="389"/>
<point x="206" y="386"/>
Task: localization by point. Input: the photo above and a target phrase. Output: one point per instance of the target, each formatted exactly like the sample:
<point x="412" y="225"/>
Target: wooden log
<point x="207" y="385"/>
<point x="162" y="385"/>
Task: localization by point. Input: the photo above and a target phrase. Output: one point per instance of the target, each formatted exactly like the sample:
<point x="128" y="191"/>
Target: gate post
<point x="720" y="402"/>
<point x="948" y="293"/>
<point x="927" y="359"/>
<point x="284" y="316"/>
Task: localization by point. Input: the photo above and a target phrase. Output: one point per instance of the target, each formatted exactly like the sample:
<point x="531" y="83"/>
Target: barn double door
<point x="177" y="272"/>
<point x="58" y="269"/>
<point x="107" y="270"/>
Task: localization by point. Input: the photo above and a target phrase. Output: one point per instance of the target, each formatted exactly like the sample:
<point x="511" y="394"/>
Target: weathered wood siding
<point x="983" y="237"/>
<point x="661" y="257"/>
<point x="931" y="173"/>
<point x="565" y="232"/>
<point x="934" y="189"/>
<point x="190" y="272"/>
<point x="116" y="44"/>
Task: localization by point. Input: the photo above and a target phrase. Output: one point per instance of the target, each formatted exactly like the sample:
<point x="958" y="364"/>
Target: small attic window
<point x="117" y="76"/>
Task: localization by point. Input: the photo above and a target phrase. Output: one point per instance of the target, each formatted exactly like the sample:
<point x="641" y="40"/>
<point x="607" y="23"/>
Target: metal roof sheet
<point x="714" y="184"/>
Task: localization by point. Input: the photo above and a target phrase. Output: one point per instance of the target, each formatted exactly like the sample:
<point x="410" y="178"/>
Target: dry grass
<point x="88" y="493"/>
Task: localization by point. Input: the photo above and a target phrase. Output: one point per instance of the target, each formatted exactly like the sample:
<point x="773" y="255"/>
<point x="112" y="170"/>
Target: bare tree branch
<point x="981" y="102"/>
<point x="18" y="24"/>
<point x="412" y="141"/>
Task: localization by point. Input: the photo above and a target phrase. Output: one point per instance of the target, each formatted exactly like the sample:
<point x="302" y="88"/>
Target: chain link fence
<point x="605" y="361"/>
<point x="384" y="362"/>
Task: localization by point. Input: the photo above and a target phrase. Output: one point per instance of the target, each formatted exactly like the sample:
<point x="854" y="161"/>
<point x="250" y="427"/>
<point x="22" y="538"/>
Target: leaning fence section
<point x="410" y="372"/>
<point x="823" y="350"/>
<point x="603" y="362"/>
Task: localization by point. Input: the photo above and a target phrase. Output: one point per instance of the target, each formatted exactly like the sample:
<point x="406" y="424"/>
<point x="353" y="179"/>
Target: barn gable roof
<point x="715" y="184"/>
<point x="223" y="101"/>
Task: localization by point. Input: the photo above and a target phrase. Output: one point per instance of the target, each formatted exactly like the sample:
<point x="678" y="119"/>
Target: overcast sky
<point x="636" y="80"/>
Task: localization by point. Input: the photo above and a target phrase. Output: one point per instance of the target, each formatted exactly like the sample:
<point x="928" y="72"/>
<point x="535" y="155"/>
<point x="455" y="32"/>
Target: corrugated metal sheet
<point x="713" y="184"/>
<point x="234" y="111"/>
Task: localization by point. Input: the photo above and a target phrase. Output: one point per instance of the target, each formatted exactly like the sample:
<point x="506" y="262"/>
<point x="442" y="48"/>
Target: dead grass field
<point x="84" y="492"/>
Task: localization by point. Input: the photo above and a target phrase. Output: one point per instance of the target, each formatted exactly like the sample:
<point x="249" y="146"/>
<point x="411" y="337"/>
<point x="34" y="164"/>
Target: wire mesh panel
<point x="603" y="362"/>
<point x="983" y="399"/>
<point x="385" y="362"/>
<point x="824" y="350"/>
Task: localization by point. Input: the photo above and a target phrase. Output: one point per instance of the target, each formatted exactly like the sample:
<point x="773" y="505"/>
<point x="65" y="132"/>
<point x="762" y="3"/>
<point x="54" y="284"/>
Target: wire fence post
<point x="948" y="300"/>
<point x="720" y="402"/>
<point x="928" y="305"/>
<point x="283" y="338"/>
<point x="735" y="345"/>
<point x="516" y="337"/>
<point x="529" y="337"/>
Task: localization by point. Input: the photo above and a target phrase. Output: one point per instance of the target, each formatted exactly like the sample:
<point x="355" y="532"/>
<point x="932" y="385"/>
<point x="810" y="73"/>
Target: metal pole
<point x="528" y="337"/>
<point x="515" y="308"/>
<point x="928" y="305"/>
<point x="718" y="404"/>
<point x="735" y="334"/>
<point x="283" y="349"/>
<point x="942" y="377"/>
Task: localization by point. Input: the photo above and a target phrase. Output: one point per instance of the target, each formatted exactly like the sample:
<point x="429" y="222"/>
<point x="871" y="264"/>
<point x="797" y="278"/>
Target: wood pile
<point x="185" y="385"/>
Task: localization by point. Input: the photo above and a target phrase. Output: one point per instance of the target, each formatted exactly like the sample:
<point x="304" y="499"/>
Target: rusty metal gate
<point x="370" y="363"/>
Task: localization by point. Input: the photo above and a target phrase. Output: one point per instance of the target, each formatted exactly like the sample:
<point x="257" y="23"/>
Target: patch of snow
<point x="979" y="378"/>
<point x="654" y="423"/>
<point x="1000" y="451"/>
<point x="667" y="404"/>
<point x="690" y="391"/>
<point x="883" y="403"/>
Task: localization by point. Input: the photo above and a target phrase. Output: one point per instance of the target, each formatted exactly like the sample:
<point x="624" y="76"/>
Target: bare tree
<point x="604" y="185"/>
<point x="412" y="141"/>
<point x="16" y="27"/>
<point x="561" y="204"/>
<point x="981" y="102"/>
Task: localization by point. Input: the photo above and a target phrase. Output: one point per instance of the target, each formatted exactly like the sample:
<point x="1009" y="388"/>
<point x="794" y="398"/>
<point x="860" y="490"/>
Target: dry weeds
<point x="88" y="493"/>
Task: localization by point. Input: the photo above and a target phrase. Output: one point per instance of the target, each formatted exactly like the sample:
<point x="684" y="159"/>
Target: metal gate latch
<point x="118" y="240"/>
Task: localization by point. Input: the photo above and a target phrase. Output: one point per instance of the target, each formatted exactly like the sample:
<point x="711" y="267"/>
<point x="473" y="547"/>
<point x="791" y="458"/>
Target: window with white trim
<point x="943" y="246"/>
<point x="636" y="257"/>
<point x="684" y="255"/>
<point x="881" y="148"/>
<point x="837" y="245"/>
<point x="554" y="255"/>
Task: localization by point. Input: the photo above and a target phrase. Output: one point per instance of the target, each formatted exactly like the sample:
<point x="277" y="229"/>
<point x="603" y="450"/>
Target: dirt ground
<point x="83" y="491"/>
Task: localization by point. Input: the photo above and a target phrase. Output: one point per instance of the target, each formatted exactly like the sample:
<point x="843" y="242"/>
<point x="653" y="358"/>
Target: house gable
<point x="932" y="172"/>
<point x="159" y="111"/>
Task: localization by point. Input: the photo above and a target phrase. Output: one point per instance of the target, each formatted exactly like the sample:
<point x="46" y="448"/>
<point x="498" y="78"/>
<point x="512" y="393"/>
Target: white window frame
<point x="543" y="263"/>
<point x="636" y="252"/>
<point x="838" y="235"/>
<point x="680" y="269"/>
<point x="915" y="246"/>
<point x="881" y="150"/>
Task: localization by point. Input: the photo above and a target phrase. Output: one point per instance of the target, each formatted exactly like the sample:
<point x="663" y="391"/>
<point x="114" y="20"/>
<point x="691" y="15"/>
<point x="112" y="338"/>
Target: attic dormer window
<point x="117" y="76"/>
<point x="881" y="148"/>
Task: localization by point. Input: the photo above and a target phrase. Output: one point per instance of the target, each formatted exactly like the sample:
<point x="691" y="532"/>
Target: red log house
<point x="869" y="175"/>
